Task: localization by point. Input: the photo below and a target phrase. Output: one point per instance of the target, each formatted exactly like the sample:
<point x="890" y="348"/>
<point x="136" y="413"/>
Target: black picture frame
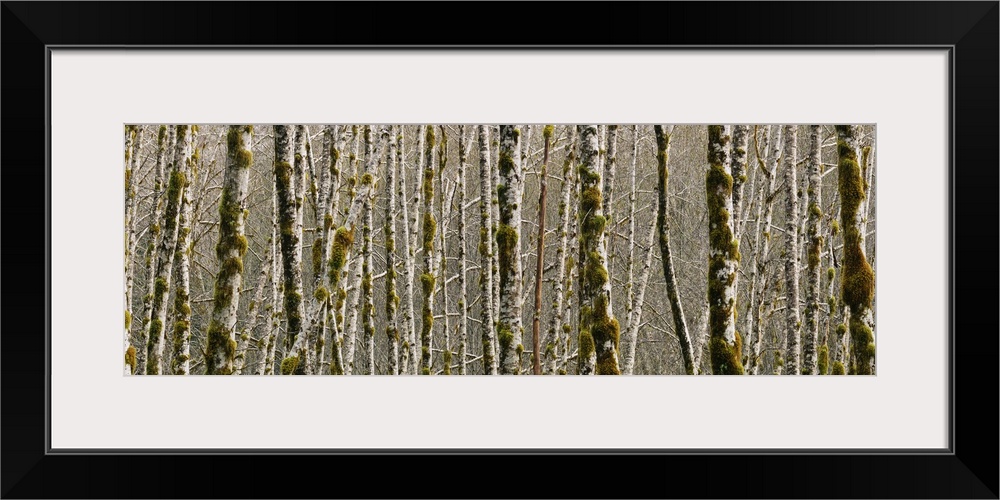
<point x="969" y="31"/>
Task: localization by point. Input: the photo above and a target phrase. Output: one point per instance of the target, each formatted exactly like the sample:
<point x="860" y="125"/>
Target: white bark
<point x="275" y="306"/>
<point x="509" y="193"/>
<point x="221" y="341"/>
<point x="630" y="264"/>
<point x="741" y="139"/>
<point x="164" y="145"/>
<point x="441" y="264"/>
<point x="723" y="255"/>
<point x="553" y="345"/>
<point x="608" y="191"/>
<point x="762" y="241"/>
<point x="375" y="140"/>
<point x="133" y="143"/>
<point x="598" y="325"/>
<point x="428" y="231"/>
<point x="165" y="257"/>
<point x="632" y="334"/>
<point x="180" y="361"/>
<point x="791" y="257"/>
<point x="410" y="364"/>
<point x="464" y="141"/>
<point x="486" y="254"/>
<point x="393" y="157"/>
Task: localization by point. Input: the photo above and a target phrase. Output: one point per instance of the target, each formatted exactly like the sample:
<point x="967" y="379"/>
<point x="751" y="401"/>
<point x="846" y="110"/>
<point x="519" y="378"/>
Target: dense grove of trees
<point x="499" y="249"/>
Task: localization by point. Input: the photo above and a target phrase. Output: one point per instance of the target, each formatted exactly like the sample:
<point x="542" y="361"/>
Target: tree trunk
<point x="632" y="334"/>
<point x="297" y="352"/>
<point x="630" y="264"/>
<point x="133" y="142"/>
<point x="164" y="144"/>
<point x="353" y="269"/>
<point x="428" y="277"/>
<point x="724" y="341"/>
<point x="663" y="225"/>
<point x="180" y="361"/>
<point x="509" y="192"/>
<point x="791" y="257"/>
<point x="536" y="340"/>
<point x="608" y="190"/>
<point x="165" y="257"/>
<point x="553" y="343"/>
<point x="221" y="339"/>
<point x="762" y="242"/>
<point x="391" y="299"/>
<point x="373" y="153"/>
<point x="275" y="310"/>
<point x="320" y="300"/>
<point x="858" y="278"/>
<point x="495" y="201"/>
<point x="741" y="139"/>
<point x="486" y="254"/>
<point x="814" y="244"/>
<point x="442" y="256"/>
<point x="599" y="330"/>
<point x="464" y="142"/>
<point x="409" y="262"/>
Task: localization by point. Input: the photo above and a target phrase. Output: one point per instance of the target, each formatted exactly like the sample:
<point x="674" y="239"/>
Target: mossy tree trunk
<point x="297" y="353"/>
<point x="740" y="158"/>
<point x="374" y="148"/>
<point x="410" y="347"/>
<point x="133" y="143"/>
<point x="428" y="231"/>
<point x="814" y="244"/>
<point x="319" y="304"/>
<point x="663" y="228"/>
<point x="166" y="252"/>
<point x="725" y="347"/>
<point x="441" y="265"/>
<point x="554" y="346"/>
<point x="393" y="158"/>
<point x="610" y="165"/>
<point x="164" y="145"/>
<point x="486" y="254"/>
<point x="464" y="142"/>
<point x="571" y="316"/>
<point x="791" y="251"/>
<point x="858" y="278"/>
<point x="335" y="144"/>
<point x="536" y="341"/>
<point x="495" y="205"/>
<point x="509" y="193"/>
<point x="180" y="360"/>
<point x="598" y="326"/>
<point x="353" y="267"/>
<point x="221" y="343"/>
<point x="762" y="241"/>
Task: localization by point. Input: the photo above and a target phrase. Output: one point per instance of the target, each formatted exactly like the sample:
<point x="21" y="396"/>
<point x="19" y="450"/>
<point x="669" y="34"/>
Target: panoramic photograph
<point x="492" y="249"/>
